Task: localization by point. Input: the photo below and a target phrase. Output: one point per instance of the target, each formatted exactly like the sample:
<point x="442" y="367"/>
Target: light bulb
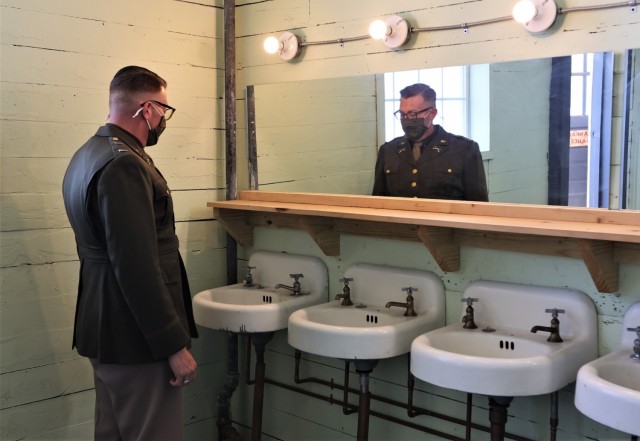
<point x="524" y="11"/>
<point x="272" y="45"/>
<point x="378" y="30"/>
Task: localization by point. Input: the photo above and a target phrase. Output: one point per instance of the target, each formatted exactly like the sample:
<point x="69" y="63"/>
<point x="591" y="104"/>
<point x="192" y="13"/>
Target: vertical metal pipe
<point x="225" y="429"/>
<point x="252" y="141"/>
<point x="258" y="394"/>
<point x="230" y="96"/>
<point x="553" y="420"/>
<point x="363" y="407"/>
<point x="298" y="357"/>
<point x="345" y="390"/>
<point x="411" y="382"/>
<point x="259" y="340"/>
<point x="498" y="416"/>
<point x="468" y="424"/>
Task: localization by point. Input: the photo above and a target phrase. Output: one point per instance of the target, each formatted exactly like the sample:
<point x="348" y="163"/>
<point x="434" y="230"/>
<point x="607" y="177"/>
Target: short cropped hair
<point x="427" y="93"/>
<point x="136" y="79"/>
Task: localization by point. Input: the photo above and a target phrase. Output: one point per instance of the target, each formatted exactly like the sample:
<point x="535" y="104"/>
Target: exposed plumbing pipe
<point x="469" y="409"/>
<point x="377" y="414"/>
<point x="260" y="340"/>
<point x="412" y="411"/>
<point x="225" y="429"/>
<point x="364" y="408"/>
<point x="498" y="416"/>
<point x="364" y="368"/>
<point x="553" y="421"/>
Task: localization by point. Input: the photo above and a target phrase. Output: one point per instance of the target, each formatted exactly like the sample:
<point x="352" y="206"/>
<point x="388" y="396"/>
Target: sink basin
<point x="367" y="330"/>
<point x="502" y="357"/>
<point x="608" y="389"/>
<point x="261" y="307"/>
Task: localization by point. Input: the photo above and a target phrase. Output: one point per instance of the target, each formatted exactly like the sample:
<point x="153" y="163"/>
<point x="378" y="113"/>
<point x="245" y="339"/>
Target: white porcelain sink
<point x="509" y="360"/>
<point x="261" y="307"/>
<point x="371" y="332"/>
<point x="608" y="389"/>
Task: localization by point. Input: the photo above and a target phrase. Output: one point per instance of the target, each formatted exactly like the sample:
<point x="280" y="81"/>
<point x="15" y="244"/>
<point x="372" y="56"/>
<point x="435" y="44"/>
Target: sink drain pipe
<point x="260" y="340"/>
<point x="364" y="368"/>
<point x="498" y="416"/>
<point x="553" y="420"/>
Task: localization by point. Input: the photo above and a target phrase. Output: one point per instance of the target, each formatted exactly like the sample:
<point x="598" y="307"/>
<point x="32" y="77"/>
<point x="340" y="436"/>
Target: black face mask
<point x="154" y="134"/>
<point x="413" y="128"/>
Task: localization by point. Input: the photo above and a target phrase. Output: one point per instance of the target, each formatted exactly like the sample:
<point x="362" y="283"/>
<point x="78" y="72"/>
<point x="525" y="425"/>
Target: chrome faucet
<point x="296" y="289"/>
<point x="248" y="280"/>
<point x="636" y="343"/>
<point x="409" y="312"/>
<point x="554" y="329"/>
<point x="346" y="292"/>
<point x="468" y="318"/>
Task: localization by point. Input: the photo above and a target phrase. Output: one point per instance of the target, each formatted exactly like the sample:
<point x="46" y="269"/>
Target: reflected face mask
<point x="414" y="128"/>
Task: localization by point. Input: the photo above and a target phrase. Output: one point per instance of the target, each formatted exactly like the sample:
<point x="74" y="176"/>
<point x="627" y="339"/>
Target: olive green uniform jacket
<point x="134" y="303"/>
<point x="450" y="167"/>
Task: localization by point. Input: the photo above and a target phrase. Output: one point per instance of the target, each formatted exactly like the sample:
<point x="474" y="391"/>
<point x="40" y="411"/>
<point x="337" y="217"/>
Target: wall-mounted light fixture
<point x="393" y="31"/>
<point x="535" y="15"/>
<point x="287" y="45"/>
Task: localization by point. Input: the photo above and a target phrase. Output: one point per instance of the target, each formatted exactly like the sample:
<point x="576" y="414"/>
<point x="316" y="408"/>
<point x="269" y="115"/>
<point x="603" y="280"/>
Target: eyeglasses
<point x="168" y="110"/>
<point x="409" y="115"/>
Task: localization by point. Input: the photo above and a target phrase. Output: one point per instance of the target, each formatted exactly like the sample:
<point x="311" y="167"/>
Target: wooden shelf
<point x="601" y="238"/>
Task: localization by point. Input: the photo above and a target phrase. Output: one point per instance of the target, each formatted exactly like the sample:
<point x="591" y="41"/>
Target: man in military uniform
<point x="134" y="318"/>
<point x="428" y="162"/>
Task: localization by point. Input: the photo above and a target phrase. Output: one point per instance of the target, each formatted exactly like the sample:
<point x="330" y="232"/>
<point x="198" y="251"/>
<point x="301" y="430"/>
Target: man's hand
<point x="183" y="366"/>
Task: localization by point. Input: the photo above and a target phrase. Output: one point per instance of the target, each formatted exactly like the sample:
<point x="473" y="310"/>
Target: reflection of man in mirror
<point x="428" y="162"/>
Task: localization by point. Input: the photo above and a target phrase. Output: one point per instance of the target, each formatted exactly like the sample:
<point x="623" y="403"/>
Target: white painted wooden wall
<point x="57" y="59"/>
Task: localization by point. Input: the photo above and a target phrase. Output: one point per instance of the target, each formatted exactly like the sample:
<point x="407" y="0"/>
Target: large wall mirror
<point x="323" y="135"/>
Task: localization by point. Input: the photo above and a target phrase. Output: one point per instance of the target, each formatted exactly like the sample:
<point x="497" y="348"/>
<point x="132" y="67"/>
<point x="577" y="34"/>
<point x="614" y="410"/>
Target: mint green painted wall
<point x="317" y="135"/>
<point x="57" y="59"/>
<point x="292" y="416"/>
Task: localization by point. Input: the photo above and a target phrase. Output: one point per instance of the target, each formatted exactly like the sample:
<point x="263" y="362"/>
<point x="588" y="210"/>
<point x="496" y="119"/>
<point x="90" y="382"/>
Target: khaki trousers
<point x="137" y="403"/>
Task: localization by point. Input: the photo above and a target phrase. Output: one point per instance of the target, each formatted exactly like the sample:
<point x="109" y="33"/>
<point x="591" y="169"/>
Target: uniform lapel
<point x="439" y="145"/>
<point x="404" y="151"/>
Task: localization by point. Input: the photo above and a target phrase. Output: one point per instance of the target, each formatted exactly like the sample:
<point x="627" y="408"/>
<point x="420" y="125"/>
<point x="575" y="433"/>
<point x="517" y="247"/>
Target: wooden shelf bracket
<point x="440" y="243"/>
<point x="235" y="222"/>
<point x="322" y="231"/>
<point x="598" y="256"/>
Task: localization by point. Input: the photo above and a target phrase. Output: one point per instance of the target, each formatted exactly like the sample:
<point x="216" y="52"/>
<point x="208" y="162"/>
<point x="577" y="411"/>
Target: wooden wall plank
<point x="57" y="62"/>
<point x="45" y="382"/>
<point x="49" y="416"/>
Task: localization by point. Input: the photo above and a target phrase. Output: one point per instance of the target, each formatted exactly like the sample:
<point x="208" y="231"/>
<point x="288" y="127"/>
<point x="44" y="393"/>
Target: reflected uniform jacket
<point x="134" y="303"/>
<point x="450" y="167"/>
